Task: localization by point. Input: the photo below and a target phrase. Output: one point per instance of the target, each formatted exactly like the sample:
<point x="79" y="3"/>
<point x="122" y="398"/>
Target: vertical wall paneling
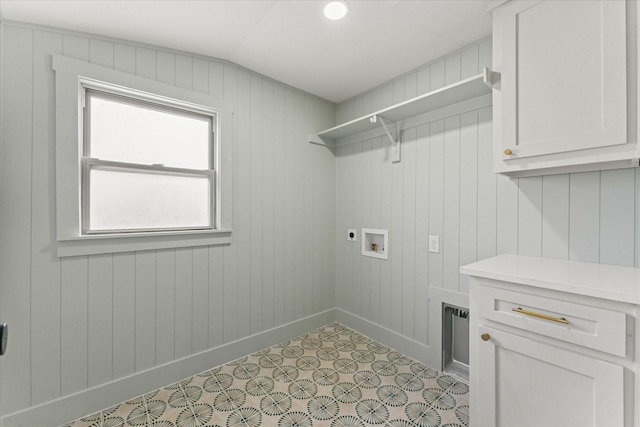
<point x="357" y="107"/>
<point x="452" y="67"/>
<point x="218" y="308"/>
<point x="423" y="80"/>
<point x="469" y="200"/>
<point x="376" y="161"/>
<point x="15" y="244"/>
<point x="449" y="239"/>
<point x="555" y="222"/>
<point x="299" y="210"/>
<point x="268" y="206"/>
<point x="320" y="193"/>
<point x="530" y="217"/>
<point x="101" y="52"/>
<point x="124" y="58"/>
<point x="387" y="95"/>
<point x="437" y="75"/>
<point x="410" y="86"/>
<point x="357" y="171"/>
<point x="398" y="91"/>
<point x="342" y="245"/>
<point x="146" y="65"/>
<point x="367" y="103"/>
<point x="201" y="76"/>
<point x="201" y="308"/>
<point x="376" y="99"/>
<point x="367" y="172"/>
<point x="217" y="81"/>
<point x="183" y="302"/>
<point x="328" y="210"/>
<point x="145" y="321"/>
<point x="45" y="276"/>
<point x="436" y="196"/>
<point x="100" y="319"/>
<point x="231" y="265"/>
<point x="386" y="188"/>
<point x="487" y="196"/>
<point x="617" y="222"/>
<point x="76" y="47"/>
<point x="84" y="321"/>
<point x="166" y="66"/>
<point x="422" y="233"/>
<point x="409" y="231"/>
<point x="165" y="306"/>
<point x="584" y="217"/>
<point x="74" y="325"/>
<point x="507" y="215"/>
<point x="469" y="61"/>
<point x="279" y="197"/>
<point x="74" y="289"/>
<point x="290" y="168"/>
<point x="242" y="223"/>
<point x="310" y="185"/>
<point x="351" y="249"/>
<point x="124" y="314"/>
<point x="484" y="54"/>
<point x="257" y="187"/>
<point x="395" y="244"/>
<point x="184" y="71"/>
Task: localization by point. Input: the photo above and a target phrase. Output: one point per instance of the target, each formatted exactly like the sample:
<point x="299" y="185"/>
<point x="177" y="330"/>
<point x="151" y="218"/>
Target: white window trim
<point x="69" y="75"/>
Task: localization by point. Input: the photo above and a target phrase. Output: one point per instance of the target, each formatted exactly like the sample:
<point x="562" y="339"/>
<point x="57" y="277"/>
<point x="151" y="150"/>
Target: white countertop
<point x="597" y="280"/>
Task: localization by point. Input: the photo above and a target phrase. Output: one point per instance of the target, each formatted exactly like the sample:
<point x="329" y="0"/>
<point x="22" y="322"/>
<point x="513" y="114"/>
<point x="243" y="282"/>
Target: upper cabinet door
<point x="563" y="67"/>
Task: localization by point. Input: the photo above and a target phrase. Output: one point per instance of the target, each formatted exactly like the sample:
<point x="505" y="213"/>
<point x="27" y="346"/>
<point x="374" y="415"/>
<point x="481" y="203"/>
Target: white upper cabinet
<point x="563" y="97"/>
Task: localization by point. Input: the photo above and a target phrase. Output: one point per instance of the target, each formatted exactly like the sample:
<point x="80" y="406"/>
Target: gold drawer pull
<point x="540" y="315"/>
<point x="485" y="337"/>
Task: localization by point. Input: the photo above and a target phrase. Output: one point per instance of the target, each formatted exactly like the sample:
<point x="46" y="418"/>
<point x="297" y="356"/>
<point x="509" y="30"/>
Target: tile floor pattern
<point x="332" y="376"/>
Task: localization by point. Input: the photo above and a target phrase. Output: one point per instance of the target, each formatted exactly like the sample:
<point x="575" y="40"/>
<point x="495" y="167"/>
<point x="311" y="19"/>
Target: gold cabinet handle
<point x="540" y="315"/>
<point x="508" y="152"/>
<point x="485" y="337"/>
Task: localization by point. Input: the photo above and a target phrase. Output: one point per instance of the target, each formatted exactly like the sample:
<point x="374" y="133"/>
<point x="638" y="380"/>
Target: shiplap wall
<point x="444" y="186"/>
<point x="81" y="322"/>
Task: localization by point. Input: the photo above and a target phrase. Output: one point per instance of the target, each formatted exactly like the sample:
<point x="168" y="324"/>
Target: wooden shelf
<point x="466" y="89"/>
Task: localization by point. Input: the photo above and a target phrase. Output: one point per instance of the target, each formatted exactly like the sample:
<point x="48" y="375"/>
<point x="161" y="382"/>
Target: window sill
<point x="114" y="243"/>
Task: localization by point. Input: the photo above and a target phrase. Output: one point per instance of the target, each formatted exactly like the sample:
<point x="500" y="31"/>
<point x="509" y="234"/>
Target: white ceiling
<point x="287" y="40"/>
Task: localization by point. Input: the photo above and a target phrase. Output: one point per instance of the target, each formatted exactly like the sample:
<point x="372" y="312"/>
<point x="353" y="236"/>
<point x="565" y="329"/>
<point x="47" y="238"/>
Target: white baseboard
<point x="398" y="342"/>
<point x="68" y="408"/>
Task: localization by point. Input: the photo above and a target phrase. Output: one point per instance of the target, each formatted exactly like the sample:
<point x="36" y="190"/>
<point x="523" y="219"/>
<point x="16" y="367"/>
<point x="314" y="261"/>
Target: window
<point x="147" y="166"/>
<point x="140" y="164"/>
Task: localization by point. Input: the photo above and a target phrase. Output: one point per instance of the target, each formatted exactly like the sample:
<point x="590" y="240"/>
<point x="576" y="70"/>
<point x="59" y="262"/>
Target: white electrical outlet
<point x="352" y="235"/>
<point x="434" y="244"/>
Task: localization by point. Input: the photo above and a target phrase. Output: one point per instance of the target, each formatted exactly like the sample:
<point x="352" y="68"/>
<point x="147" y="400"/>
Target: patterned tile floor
<point x="332" y="376"/>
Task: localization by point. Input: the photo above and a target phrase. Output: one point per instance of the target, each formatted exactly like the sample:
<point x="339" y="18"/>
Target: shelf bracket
<point x="316" y="139"/>
<point x="490" y="78"/>
<point x="395" y="141"/>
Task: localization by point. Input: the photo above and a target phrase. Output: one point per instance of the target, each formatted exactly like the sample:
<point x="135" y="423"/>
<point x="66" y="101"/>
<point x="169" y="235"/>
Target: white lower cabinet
<point x="527" y="383"/>
<point x="553" y="343"/>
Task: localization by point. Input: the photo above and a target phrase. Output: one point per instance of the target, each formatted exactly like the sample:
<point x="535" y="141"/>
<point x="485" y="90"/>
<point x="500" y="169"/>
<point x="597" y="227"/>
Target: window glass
<point x="124" y="130"/>
<point x="136" y="200"/>
<point x="147" y="165"/>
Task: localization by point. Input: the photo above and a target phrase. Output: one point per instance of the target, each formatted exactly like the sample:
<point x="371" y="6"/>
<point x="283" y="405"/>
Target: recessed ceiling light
<point x="336" y="10"/>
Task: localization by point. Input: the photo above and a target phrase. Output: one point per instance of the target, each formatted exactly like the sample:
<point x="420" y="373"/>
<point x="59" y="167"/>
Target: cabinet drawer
<point x="592" y="327"/>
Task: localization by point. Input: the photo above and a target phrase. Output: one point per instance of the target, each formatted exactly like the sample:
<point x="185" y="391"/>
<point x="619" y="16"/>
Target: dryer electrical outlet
<point x="352" y="235"/>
